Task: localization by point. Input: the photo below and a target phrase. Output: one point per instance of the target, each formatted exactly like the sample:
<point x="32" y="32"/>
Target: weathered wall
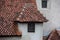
<point x="37" y="35"/>
<point x="52" y="13"/>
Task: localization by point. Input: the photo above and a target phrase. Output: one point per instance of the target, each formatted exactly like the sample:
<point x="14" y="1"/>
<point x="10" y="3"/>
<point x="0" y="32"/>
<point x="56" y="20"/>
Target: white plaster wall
<point x="52" y="13"/>
<point x="31" y="36"/>
<point x="23" y="27"/>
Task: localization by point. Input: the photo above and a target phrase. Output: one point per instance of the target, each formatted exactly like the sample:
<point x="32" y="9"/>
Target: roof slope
<point x="7" y="14"/>
<point x="29" y="13"/>
<point x="14" y="10"/>
<point x="54" y="35"/>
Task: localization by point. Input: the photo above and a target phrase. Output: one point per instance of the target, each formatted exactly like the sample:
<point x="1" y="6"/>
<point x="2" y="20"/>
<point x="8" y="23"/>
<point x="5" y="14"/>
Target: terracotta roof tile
<point x="54" y="35"/>
<point x="7" y="15"/>
<point x="17" y="10"/>
<point x="29" y="13"/>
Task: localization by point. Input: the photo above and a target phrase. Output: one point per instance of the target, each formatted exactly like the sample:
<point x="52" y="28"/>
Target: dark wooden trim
<point x="10" y="35"/>
<point x="27" y="22"/>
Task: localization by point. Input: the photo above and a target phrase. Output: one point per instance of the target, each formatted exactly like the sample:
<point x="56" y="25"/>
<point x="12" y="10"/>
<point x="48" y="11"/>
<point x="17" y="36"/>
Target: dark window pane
<point x="44" y="4"/>
<point x="31" y="27"/>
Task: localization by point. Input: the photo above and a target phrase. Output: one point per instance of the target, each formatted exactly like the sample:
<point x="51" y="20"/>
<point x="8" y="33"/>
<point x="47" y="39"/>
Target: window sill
<point x="44" y="9"/>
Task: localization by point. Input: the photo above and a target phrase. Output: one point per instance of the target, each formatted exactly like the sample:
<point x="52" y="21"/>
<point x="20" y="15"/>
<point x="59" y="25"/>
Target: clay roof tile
<point x="30" y="13"/>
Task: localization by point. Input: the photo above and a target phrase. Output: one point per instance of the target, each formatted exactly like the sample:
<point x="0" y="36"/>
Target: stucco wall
<point x="37" y="35"/>
<point x="52" y="13"/>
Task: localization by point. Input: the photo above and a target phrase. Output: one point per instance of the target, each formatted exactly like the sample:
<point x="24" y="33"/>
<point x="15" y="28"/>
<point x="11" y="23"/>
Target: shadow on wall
<point x="10" y="38"/>
<point x="48" y="27"/>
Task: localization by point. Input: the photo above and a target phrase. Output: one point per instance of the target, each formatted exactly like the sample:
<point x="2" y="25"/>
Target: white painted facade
<point x="37" y="35"/>
<point x="52" y="13"/>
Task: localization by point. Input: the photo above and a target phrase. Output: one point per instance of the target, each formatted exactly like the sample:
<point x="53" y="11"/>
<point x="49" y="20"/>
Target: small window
<point x="44" y="3"/>
<point x="31" y="27"/>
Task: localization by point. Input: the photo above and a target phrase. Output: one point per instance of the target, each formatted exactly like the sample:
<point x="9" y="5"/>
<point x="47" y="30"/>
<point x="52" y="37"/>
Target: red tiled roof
<point x="7" y="14"/>
<point x="10" y="10"/>
<point x="54" y="35"/>
<point x="29" y="13"/>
